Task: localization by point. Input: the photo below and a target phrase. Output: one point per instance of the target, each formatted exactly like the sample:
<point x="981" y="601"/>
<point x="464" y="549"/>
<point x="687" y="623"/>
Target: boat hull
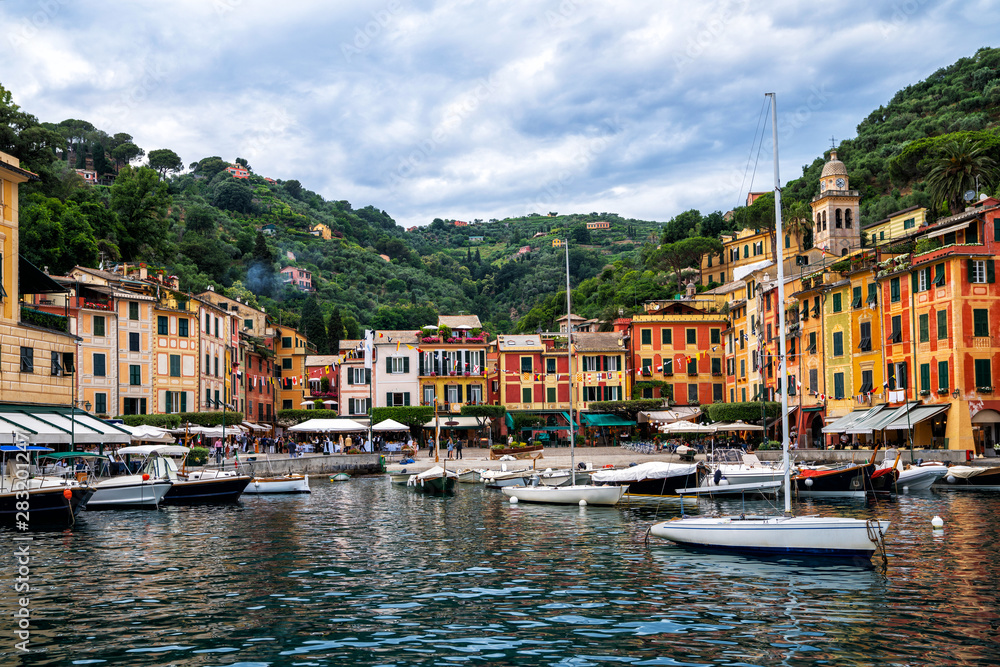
<point x="851" y="482"/>
<point x="920" y="478"/>
<point x="507" y="479"/>
<point x="988" y="480"/>
<point x="205" y="491"/>
<point x="563" y="478"/>
<point x="435" y="485"/>
<point x="286" y="484"/>
<point x="129" y="491"/>
<point x="818" y="536"/>
<point x="567" y="495"/>
<point x="47" y="507"/>
<point x="399" y="477"/>
<point x="665" y="487"/>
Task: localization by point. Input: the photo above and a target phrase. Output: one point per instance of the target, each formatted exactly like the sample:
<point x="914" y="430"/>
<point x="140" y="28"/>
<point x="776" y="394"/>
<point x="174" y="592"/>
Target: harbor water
<point x="366" y="573"/>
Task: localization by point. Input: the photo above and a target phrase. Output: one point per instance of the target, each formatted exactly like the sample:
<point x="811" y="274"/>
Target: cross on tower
<point x="832" y="144"/>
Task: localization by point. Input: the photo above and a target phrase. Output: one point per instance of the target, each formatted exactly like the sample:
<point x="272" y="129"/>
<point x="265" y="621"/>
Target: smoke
<point x="261" y="280"/>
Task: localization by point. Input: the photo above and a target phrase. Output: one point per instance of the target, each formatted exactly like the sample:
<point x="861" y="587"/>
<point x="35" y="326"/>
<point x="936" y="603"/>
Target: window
<point x="838" y="343"/>
<point x="838" y="386"/>
<point x="813" y="380"/>
<point x="812" y="342"/>
<point x="56" y="365"/>
<point x="856" y="297"/>
<point x="175" y="365"/>
<point x="99" y="323"/>
<point x="943" y="375"/>
<point x="865" y="331"/>
<point x="746" y="251"/>
<point x="924" y="328"/>
<point x="526" y="365"/>
<point x="135" y="375"/>
<point x="133" y="406"/>
<point x="550" y="394"/>
<point x="872" y="295"/>
<point x="896" y="335"/>
<point x="714" y="336"/>
<point x="692" y="336"/>
<point x="162" y="325"/>
<point x="357" y="406"/>
<point x="743" y="394"/>
<point x="100" y="403"/>
<point x="359" y="376"/>
<point x="182" y="327"/>
<point x="216" y="327"/>
<point x="286" y="341"/>
<point x="981" y="271"/>
<point x="922" y="279"/>
<point x="612" y="393"/>
<point x="397" y="365"/>
<point x="693" y="366"/>
<point x="894" y="290"/>
<point x="867" y="380"/>
<point x="837" y="305"/>
<point x="925" y="377"/>
<point x="717" y="393"/>
<point x="591" y="394"/>
<point x="716" y="366"/>
<point x="984" y="376"/>
<point x="942" y="324"/>
<point x="133" y="341"/>
<point x="591" y="363"/>
<point x="550" y="366"/>
<point x="743" y="368"/>
<point x="453" y="393"/>
<point x="217" y="367"/>
<point x="666" y="336"/>
<point x="286" y="364"/>
<point x="68" y="363"/>
<point x="248" y="324"/>
<point x="133" y="310"/>
<point x="428" y="394"/>
<point x="692" y="393"/>
<point x="980" y="322"/>
<point x="647" y="367"/>
<point x="909" y="223"/>
<point x="397" y="399"/>
<point x="526" y="394"/>
<point x="646" y="336"/>
<point x="100" y="365"/>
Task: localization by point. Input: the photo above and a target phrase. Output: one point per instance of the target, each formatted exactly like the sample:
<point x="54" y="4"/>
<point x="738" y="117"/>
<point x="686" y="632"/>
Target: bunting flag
<point x="526" y="377"/>
<point x="398" y="343"/>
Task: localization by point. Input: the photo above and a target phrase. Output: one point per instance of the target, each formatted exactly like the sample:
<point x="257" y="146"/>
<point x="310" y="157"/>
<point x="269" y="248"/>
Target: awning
<point x="447" y="421"/>
<point x="604" y="420"/>
<point x="850" y="419"/>
<point x="668" y="416"/>
<point x="878" y="421"/>
<point x="949" y="228"/>
<point x="56" y="424"/>
<point x="738" y="426"/>
<point x="915" y="416"/>
<point x="813" y="408"/>
<point x="33" y="280"/>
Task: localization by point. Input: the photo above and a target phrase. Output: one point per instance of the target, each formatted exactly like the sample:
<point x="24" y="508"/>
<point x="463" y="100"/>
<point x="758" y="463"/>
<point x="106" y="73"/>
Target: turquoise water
<point x="373" y="574"/>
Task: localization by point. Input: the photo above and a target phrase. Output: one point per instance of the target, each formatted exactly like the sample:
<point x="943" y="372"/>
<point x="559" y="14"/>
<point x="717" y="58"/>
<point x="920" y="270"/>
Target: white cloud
<point x="457" y="108"/>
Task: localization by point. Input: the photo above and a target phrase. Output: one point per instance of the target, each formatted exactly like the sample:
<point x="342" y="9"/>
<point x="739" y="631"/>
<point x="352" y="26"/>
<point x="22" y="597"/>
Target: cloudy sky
<point x="479" y="109"/>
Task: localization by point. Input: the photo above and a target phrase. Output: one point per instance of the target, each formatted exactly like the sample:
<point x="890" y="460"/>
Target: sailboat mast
<point x="569" y="358"/>
<point x="782" y="349"/>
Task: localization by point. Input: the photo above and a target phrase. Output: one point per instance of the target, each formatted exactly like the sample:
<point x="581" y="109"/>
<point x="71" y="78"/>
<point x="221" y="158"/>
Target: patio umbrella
<point x="738" y="426"/>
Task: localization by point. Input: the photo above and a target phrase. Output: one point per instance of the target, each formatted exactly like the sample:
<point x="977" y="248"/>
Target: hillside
<point x="202" y="224"/>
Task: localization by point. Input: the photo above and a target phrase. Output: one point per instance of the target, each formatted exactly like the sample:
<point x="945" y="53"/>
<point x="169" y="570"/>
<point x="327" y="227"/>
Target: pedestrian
<point x="340" y="444"/>
<point x="291" y="449"/>
<point x="348" y="443"/>
<point x="451" y="446"/>
<point x="218" y="452"/>
<point x="430" y="447"/>
<point x="458" y="449"/>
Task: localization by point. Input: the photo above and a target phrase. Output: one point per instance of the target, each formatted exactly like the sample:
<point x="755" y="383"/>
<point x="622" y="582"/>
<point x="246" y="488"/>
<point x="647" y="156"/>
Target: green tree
<point x="239" y="291"/>
<point x="201" y="219"/>
<point x="261" y="251"/>
<point x="293" y="187"/>
<point x="352" y="330"/>
<point x="335" y="331"/>
<point x="232" y="195"/>
<point x="210" y="166"/>
<point x="140" y="200"/>
<point x="960" y="165"/>
<point x="125" y="154"/>
<point x="684" y="254"/>
<point x="798" y="221"/>
<point x="22" y="136"/>
<point x="164" y="160"/>
<point x="581" y="234"/>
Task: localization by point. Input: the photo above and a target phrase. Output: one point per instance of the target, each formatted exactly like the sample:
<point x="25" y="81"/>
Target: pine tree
<point x="335" y="331"/>
<point x="261" y="252"/>
<point x="314" y="327"/>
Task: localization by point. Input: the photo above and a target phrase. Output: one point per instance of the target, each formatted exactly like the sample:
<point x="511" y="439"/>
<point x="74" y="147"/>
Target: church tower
<point x="836" y="210"/>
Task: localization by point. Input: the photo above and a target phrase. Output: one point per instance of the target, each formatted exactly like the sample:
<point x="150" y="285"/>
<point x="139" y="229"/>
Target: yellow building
<point x="896" y="226"/>
<point x="452" y="363"/>
<point x="321" y="230"/>
<point x="291" y="348"/>
<point x="175" y="348"/>
<point x="37" y="351"/>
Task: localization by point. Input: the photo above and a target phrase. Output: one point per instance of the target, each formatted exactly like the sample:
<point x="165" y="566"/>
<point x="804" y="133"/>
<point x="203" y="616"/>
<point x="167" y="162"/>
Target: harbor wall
<point x="313" y="464"/>
<point x="859" y="455"/>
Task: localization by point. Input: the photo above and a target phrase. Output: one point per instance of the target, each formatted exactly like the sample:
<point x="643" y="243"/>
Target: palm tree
<point x="799" y="220"/>
<point x="955" y="170"/>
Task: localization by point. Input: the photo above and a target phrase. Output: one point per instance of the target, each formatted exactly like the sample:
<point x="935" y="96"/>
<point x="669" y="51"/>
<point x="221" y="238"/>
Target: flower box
<point x="984" y="390"/>
<point x="925" y="392"/>
<point x="942" y="392"/>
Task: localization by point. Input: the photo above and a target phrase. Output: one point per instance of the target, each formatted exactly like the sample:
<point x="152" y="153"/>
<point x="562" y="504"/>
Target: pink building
<point x="238" y="171"/>
<point x="299" y="278"/>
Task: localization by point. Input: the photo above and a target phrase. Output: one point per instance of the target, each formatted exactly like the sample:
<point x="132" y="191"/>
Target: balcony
<point x="44" y="320"/>
<point x="981" y="342"/>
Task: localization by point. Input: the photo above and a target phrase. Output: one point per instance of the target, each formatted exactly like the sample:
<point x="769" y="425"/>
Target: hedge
<point x="161" y="421"/>
<point x="413" y="416"/>
<point x="748" y="412"/>
<point x="211" y="418"/>
<point x="630" y="408"/>
<point x="293" y="417"/>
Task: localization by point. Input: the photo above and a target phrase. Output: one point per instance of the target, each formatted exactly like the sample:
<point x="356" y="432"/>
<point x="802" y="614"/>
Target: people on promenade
<point x="348" y="443"/>
<point x="218" y="452"/>
<point x="458" y="449"/>
<point x="291" y="449"/>
<point x="340" y="444"/>
<point x="451" y="446"/>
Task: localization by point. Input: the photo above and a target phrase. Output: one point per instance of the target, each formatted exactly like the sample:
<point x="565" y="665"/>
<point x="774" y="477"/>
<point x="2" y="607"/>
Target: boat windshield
<point x="730" y="456"/>
<point x="160" y="466"/>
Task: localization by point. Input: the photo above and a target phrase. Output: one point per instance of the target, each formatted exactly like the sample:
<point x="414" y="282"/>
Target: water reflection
<point x="378" y="574"/>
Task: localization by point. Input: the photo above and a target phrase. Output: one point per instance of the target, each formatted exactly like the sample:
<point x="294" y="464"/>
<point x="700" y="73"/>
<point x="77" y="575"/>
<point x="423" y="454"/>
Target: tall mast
<point x="569" y="355"/>
<point x="782" y="349"/>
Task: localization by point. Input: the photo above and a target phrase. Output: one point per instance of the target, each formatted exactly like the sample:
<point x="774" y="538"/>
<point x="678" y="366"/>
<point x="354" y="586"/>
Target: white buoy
<point x="809" y="481"/>
<point x="513" y="500"/>
<point x="583" y="503"/>
<point x="937" y="522"/>
<point x="906" y="489"/>
<point x="950" y="479"/>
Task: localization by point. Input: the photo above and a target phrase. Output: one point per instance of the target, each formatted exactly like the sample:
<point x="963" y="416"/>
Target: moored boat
<point x="469" y="476"/>
<point x="653" y="479"/>
<point x="434" y="480"/>
<point x="340" y="477"/>
<point x="199" y="487"/>
<point x="497" y="479"/>
<point x="47" y="504"/>
<point x="279" y="484"/>
<point x="970" y="478"/>
<point x="570" y="494"/>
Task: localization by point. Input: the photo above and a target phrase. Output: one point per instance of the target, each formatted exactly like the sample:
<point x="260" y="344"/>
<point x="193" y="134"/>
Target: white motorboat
<point x="653" y="479"/>
<point x="399" y="476"/>
<point x="810" y="535"/>
<point x="122" y="491"/>
<point x="562" y="477"/>
<point x="738" y="467"/>
<point x="279" y="484"/>
<point x="197" y="487"/>
<point x="913" y="478"/>
<point x="496" y="479"/>
<point x="571" y="494"/>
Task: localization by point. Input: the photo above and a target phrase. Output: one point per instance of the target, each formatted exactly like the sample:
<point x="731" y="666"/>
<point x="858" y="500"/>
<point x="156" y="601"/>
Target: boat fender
<point x="633" y="464"/>
<point x="717" y="477"/>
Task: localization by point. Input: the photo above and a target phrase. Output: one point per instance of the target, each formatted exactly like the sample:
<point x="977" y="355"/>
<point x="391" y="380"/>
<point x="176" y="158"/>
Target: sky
<point x="464" y="109"/>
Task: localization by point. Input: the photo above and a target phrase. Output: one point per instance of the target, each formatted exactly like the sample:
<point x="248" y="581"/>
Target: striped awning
<point x="57" y="424"/>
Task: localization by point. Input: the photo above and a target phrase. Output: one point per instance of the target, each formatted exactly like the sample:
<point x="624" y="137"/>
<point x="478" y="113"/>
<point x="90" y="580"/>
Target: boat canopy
<point x="162" y="450"/>
<point x="30" y="448"/>
<point x="73" y="455"/>
<point x="648" y="470"/>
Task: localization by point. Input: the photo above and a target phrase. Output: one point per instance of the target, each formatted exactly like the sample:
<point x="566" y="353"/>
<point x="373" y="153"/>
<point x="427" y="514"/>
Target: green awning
<point x="813" y="408"/>
<point x="605" y="420"/>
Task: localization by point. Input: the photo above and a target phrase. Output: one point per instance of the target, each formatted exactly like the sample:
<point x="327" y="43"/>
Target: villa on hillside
<point x="238" y="171"/>
<point x="299" y="278"/>
<point x="602" y="224"/>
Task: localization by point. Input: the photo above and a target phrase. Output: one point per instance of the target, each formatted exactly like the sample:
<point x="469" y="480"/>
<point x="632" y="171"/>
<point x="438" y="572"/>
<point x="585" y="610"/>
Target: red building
<point x="258" y="378"/>
<point x="323" y="377"/>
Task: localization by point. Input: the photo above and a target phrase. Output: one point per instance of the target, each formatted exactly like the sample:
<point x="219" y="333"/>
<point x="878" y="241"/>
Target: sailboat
<point x="788" y="534"/>
<point x="572" y="493"/>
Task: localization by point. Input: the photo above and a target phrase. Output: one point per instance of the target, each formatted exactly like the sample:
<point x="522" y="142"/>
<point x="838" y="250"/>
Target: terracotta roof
<point x="406" y="337"/>
<point x="321" y="359"/>
<point x="833" y="167"/>
<point x="605" y="341"/>
<point x="522" y="342"/>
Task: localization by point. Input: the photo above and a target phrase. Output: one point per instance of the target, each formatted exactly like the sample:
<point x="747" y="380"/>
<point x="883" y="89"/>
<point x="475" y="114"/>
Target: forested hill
<point x="202" y="224"/>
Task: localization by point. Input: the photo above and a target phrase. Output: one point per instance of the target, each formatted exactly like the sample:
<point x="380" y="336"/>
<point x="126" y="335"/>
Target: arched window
<point x="843" y="252"/>
<point x="848" y="218"/>
<point x="839" y="220"/>
<point x="824" y="221"/>
<point x="746" y="251"/>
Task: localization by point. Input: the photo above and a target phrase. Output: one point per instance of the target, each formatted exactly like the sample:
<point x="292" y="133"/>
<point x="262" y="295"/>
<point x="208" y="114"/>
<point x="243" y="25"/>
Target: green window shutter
<point x="368" y="376"/>
<point x="925" y="377"/>
<point x="913" y="281"/>
<point x="939" y="275"/>
<point x="971" y="269"/>
<point x="990" y="271"/>
<point x="942" y="375"/>
<point x="388" y="399"/>
<point x="924" y="328"/>
<point x="406" y="398"/>
<point x="460" y="393"/>
<point x="980" y="322"/>
<point x="388" y="364"/>
<point x="184" y="401"/>
<point x="350" y="376"/>
<point x="942" y="324"/>
<point x="406" y="364"/>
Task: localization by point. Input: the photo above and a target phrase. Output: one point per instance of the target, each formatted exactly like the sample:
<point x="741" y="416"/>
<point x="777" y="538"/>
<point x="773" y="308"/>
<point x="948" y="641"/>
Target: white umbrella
<point x="390" y="425"/>
<point x="738" y="426"/>
<point x="687" y="427"/>
<point x="146" y="433"/>
<point x="328" y="426"/>
<point x="329" y="402"/>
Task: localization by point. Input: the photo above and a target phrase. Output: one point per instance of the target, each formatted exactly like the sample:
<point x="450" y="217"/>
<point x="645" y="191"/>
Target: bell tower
<point x="836" y="210"/>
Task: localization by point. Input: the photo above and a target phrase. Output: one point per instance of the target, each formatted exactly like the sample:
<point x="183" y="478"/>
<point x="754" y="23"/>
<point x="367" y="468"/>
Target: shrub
<point x="197" y="456"/>
<point x="161" y="421"/>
